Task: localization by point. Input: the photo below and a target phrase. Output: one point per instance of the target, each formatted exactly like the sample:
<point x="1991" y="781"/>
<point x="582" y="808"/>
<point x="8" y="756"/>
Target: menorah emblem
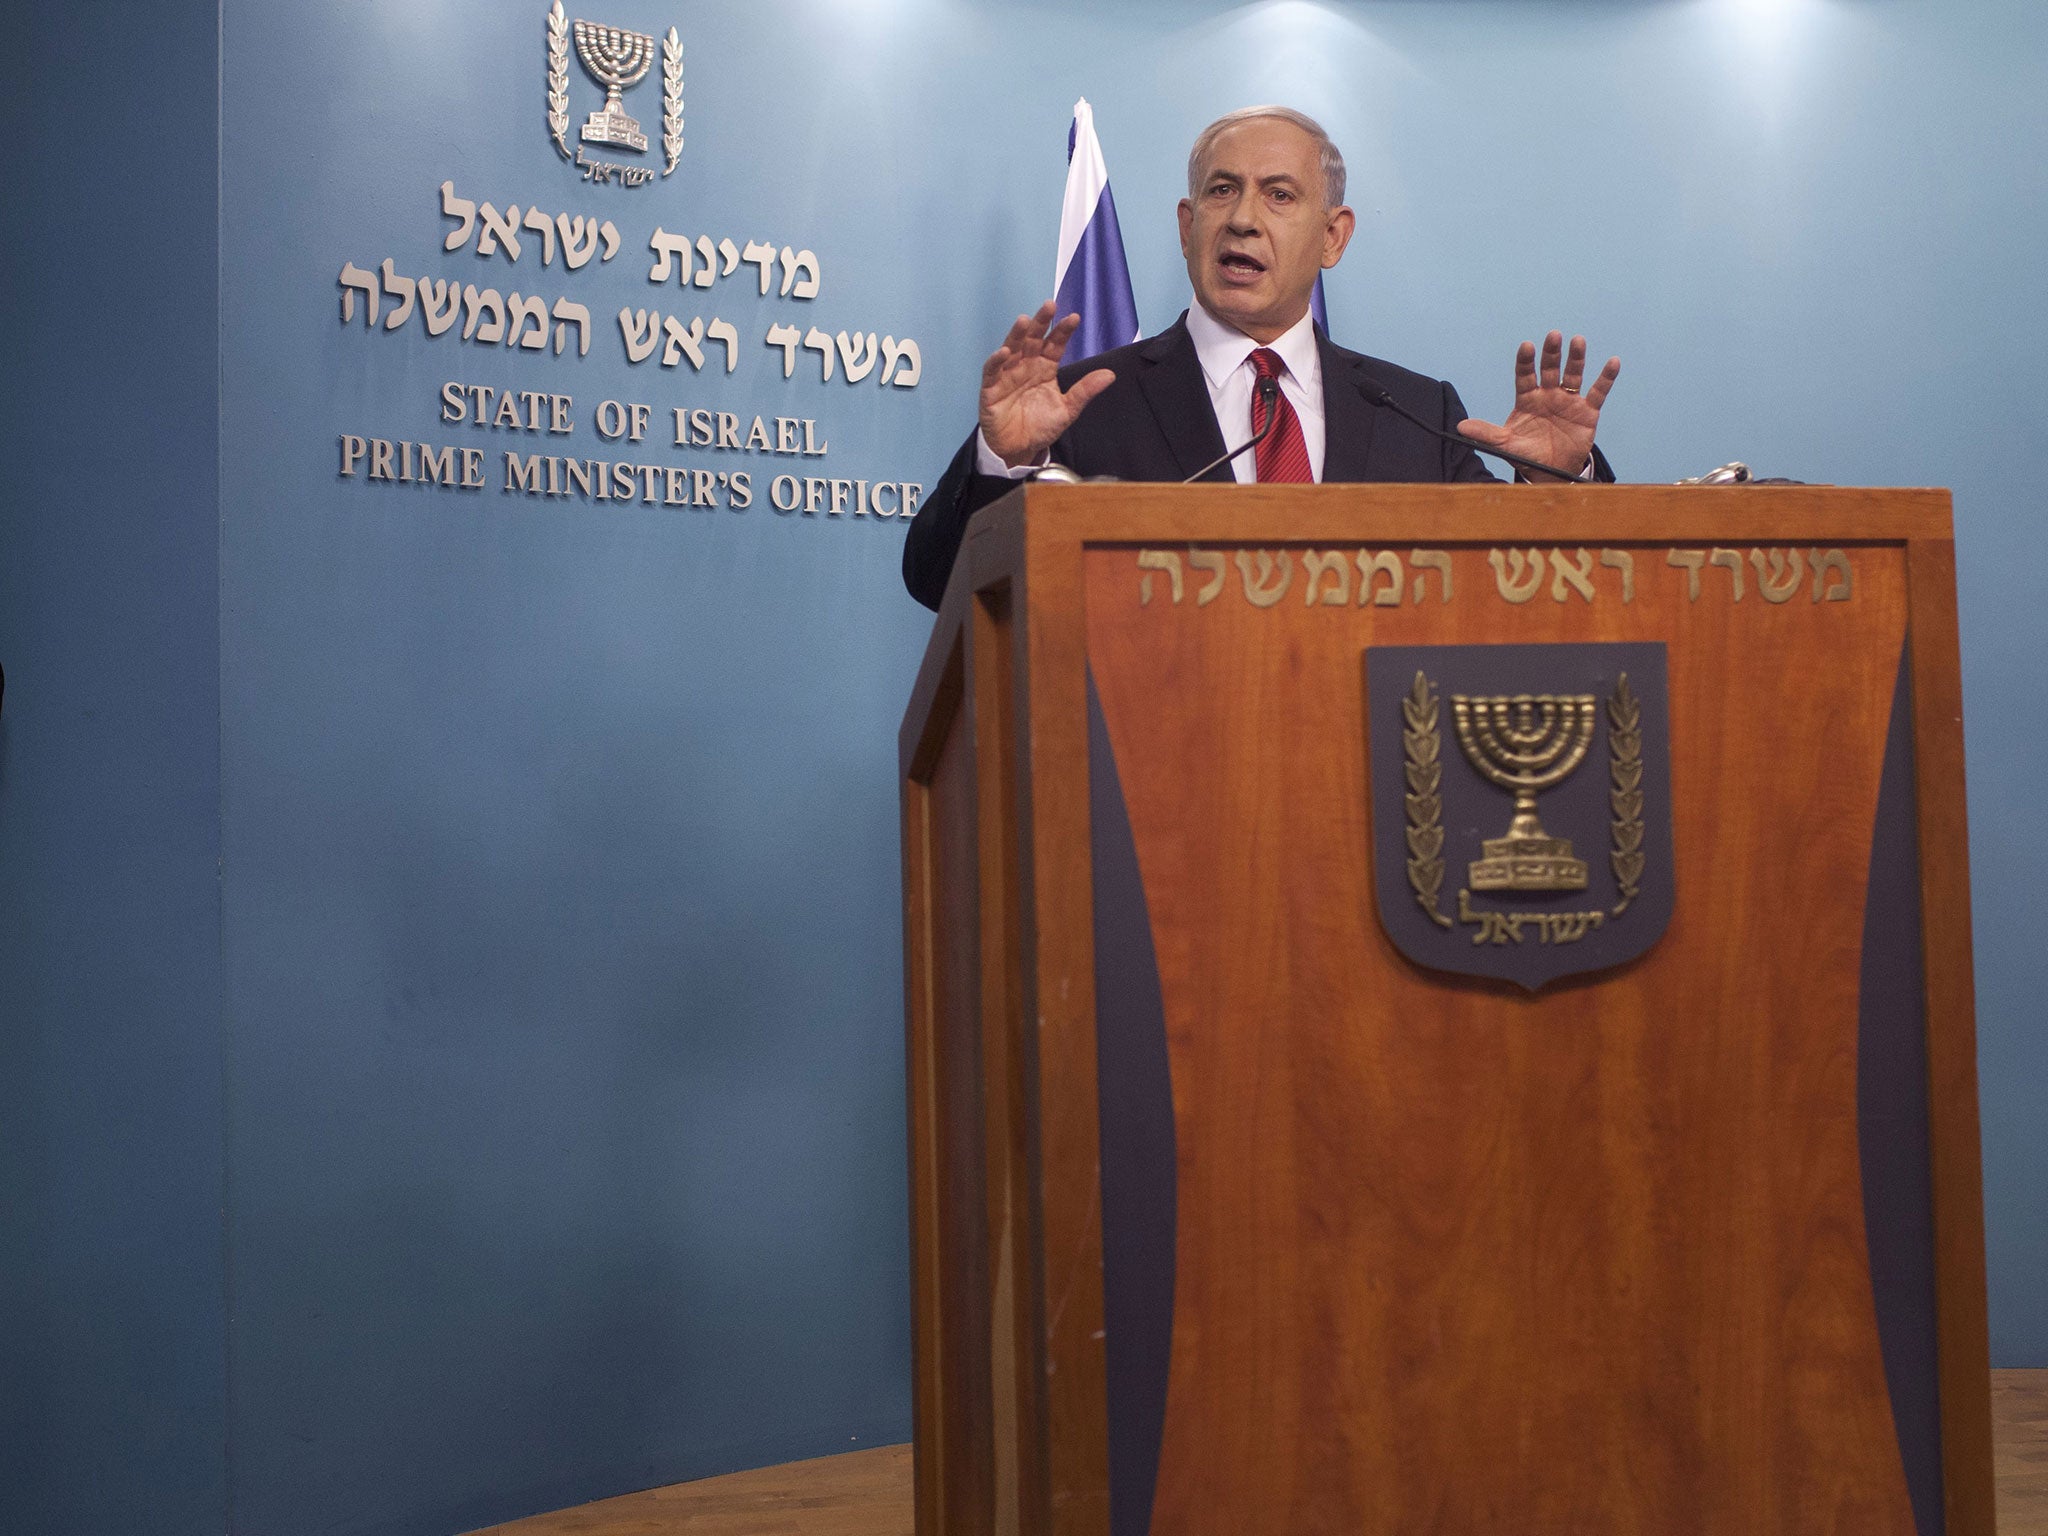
<point x="616" y="60"/>
<point x="1524" y="744"/>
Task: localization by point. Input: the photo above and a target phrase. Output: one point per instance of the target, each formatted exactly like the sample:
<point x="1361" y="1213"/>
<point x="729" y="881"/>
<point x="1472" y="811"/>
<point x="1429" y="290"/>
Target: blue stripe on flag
<point x="1097" y="282"/>
<point x="1093" y="277"/>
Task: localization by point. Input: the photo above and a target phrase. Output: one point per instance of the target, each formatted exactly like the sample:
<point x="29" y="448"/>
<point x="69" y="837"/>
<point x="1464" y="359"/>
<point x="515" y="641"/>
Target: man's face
<point x="1257" y="230"/>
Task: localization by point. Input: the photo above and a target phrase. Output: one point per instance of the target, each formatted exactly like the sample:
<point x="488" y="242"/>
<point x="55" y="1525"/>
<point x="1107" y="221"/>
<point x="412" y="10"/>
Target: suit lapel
<point x="1348" y="417"/>
<point x="1179" y="399"/>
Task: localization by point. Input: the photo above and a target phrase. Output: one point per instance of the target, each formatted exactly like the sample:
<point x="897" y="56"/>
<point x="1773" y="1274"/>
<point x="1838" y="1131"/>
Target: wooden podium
<point x="1281" y="1165"/>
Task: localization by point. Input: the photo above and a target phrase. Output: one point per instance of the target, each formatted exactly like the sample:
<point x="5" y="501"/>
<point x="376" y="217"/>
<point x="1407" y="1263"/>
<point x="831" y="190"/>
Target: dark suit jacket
<point x="1156" y="423"/>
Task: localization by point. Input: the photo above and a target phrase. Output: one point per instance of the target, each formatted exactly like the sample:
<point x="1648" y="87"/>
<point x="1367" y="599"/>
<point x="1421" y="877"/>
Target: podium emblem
<point x="1464" y="737"/>
<point x="1523" y="744"/>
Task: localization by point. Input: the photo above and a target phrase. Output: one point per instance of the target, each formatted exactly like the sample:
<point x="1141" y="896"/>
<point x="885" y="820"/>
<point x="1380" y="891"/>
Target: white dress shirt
<point x="1225" y="354"/>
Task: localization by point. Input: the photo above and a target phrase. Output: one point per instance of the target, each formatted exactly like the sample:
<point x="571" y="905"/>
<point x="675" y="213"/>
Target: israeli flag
<point x="1317" y="307"/>
<point x="1092" y="276"/>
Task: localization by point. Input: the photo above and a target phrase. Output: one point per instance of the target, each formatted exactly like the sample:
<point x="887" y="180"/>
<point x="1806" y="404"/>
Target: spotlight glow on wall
<point x="1768" y="16"/>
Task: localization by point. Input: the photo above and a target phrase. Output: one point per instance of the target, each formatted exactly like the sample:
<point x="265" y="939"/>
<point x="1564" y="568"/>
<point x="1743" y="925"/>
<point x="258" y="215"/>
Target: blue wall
<point x="553" y="979"/>
<point x="562" y="934"/>
<point x="112" y="1413"/>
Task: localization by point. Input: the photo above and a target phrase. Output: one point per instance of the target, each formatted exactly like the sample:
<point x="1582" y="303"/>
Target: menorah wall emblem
<point x="617" y="60"/>
<point x="1526" y="743"/>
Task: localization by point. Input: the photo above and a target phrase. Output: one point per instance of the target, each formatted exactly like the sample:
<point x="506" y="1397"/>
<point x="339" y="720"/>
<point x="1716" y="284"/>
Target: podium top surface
<point x="1485" y="513"/>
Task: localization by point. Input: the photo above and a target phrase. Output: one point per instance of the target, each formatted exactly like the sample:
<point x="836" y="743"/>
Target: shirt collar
<point x="1222" y="348"/>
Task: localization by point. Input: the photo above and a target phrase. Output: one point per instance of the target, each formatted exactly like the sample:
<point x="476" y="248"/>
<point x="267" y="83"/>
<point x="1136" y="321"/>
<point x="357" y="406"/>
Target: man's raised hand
<point x="1022" y="406"/>
<point x="1552" y="422"/>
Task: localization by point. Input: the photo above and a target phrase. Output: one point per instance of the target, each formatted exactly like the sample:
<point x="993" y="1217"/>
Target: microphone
<point x="1381" y="397"/>
<point x="1269" y="399"/>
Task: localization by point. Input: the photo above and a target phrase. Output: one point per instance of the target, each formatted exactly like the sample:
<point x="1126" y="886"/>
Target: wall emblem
<point x="616" y="59"/>
<point x="1520" y="805"/>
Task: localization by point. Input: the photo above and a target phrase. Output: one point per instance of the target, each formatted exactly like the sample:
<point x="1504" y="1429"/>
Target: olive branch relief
<point x="558" y="78"/>
<point x="1625" y="770"/>
<point x="671" y="98"/>
<point x="1422" y="743"/>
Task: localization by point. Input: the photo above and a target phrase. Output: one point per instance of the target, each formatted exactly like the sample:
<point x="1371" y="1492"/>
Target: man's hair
<point x="1326" y="152"/>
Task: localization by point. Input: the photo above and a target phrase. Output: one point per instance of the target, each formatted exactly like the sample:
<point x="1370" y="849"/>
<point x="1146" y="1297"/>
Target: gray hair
<point x="1327" y="154"/>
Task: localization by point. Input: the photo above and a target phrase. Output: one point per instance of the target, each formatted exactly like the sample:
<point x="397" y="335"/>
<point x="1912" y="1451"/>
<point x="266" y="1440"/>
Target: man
<point x="1263" y="216"/>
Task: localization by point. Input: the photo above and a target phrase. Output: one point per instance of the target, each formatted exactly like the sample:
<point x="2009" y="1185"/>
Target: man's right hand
<point x="1022" y="406"/>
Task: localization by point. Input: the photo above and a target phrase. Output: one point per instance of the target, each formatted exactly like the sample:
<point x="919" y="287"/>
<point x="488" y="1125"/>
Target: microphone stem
<point x="1267" y="397"/>
<point x="1387" y="399"/>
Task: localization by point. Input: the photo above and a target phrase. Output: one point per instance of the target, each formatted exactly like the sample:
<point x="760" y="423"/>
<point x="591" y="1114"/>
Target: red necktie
<point x="1283" y="454"/>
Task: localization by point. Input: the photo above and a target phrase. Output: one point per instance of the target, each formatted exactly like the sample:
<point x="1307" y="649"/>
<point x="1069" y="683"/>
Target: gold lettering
<point x="1150" y="560"/>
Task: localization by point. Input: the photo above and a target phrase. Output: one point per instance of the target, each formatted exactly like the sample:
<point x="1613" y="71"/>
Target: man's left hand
<point x="1552" y="422"/>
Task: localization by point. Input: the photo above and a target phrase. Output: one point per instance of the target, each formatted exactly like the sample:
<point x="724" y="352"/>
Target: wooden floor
<point x="867" y="1493"/>
<point x="2019" y="1428"/>
<point x="863" y="1493"/>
